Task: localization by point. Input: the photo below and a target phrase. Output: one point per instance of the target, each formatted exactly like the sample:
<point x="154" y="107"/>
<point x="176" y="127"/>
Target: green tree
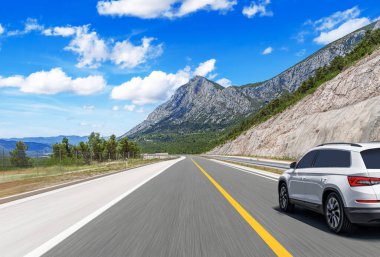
<point x="18" y="155"/>
<point x="123" y="147"/>
<point x="56" y="151"/>
<point x="134" y="149"/>
<point x="84" y="152"/>
<point x="110" y="148"/>
<point x="65" y="147"/>
<point x="96" y="145"/>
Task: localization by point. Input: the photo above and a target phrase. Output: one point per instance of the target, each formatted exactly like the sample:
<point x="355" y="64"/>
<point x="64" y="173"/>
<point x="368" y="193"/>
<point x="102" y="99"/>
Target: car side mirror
<point x="293" y="165"/>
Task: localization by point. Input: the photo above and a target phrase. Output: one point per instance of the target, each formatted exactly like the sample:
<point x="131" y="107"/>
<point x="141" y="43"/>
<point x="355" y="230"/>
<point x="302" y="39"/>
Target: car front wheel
<point x="335" y="216"/>
<point x="283" y="197"/>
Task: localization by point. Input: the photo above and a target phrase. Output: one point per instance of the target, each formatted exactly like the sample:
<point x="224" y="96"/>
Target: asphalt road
<point x="273" y="164"/>
<point x="27" y="223"/>
<point x="220" y="211"/>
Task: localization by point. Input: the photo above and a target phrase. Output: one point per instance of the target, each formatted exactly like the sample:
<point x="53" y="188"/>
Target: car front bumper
<point x="363" y="215"/>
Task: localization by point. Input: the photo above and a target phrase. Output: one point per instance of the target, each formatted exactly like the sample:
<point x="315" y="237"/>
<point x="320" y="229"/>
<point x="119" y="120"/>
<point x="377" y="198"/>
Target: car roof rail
<point x="340" y="143"/>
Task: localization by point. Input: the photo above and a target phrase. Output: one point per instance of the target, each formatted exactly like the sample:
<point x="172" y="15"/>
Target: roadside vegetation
<point x="22" y="171"/>
<point x="28" y="179"/>
<point x="95" y="150"/>
<point x="369" y="43"/>
<point x="176" y="143"/>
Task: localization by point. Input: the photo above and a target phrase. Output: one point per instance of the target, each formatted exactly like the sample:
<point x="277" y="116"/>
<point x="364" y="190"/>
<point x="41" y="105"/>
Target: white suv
<point x="339" y="180"/>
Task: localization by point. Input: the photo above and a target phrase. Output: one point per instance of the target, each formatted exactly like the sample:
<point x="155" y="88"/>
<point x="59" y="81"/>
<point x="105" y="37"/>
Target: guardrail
<point x="272" y="164"/>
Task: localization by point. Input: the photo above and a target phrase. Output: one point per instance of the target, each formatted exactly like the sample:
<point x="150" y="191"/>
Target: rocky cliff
<point x="347" y="109"/>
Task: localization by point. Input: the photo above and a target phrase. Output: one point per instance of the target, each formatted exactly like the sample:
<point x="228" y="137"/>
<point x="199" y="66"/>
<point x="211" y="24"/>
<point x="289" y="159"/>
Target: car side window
<point x="307" y="160"/>
<point x="330" y="158"/>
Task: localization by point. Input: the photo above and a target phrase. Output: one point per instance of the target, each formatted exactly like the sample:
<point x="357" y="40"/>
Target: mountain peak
<point x="197" y="78"/>
<point x="202" y="82"/>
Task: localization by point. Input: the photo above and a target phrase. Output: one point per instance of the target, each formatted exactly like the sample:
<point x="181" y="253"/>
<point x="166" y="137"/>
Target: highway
<point x="188" y="207"/>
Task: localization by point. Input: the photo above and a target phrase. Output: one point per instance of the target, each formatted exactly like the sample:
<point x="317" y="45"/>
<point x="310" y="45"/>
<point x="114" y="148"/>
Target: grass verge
<point x="46" y="177"/>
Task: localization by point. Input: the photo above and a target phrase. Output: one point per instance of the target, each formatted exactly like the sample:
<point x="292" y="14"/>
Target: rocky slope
<point x="293" y="77"/>
<point x="347" y="109"/>
<point x="203" y="105"/>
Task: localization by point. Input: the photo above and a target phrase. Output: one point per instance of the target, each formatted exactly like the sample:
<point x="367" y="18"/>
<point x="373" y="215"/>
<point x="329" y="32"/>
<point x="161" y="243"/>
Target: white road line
<point x="272" y="177"/>
<point x="44" y="248"/>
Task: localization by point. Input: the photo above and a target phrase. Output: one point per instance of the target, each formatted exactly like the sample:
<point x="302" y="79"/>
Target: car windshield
<point x="371" y="158"/>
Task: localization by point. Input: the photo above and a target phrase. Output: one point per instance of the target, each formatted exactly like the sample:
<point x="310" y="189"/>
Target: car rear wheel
<point x="335" y="216"/>
<point x="283" y="197"/>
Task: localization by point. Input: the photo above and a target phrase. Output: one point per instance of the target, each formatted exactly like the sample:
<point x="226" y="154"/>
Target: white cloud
<point x="267" y="50"/>
<point x="141" y="110"/>
<point x="89" y="107"/>
<point x="2" y="29"/>
<point x="330" y="22"/>
<point x="301" y="53"/>
<point x="190" y="6"/>
<point x="158" y="85"/>
<point x="344" y="29"/>
<point x="224" y="82"/>
<point x="300" y="37"/>
<point x="61" y="31"/>
<point x="115" y="108"/>
<point x="259" y="8"/>
<point x="83" y="124"/>
<point x="337" y="25"/>
<point x="148" y="9"/>
<point x="32" y="25"/>
<point x="127" y="55"/>
<point x="94" y="50"/>
<point x="155" y="87"/>
<point x="91" y="49"/>
<point x="29" y="26"/>
<point x="205" y="68"/>
<point x="129" y="107"/>
<point x="53" y="82"/>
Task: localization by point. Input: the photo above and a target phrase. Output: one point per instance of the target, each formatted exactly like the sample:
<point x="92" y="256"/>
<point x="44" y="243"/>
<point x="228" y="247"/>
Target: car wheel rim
<point x="283" y="197"/>
<point x="333" y="212"/>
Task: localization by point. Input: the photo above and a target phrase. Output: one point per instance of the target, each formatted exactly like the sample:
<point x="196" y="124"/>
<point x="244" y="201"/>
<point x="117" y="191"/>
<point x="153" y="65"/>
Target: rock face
<point x="346" y="109"/>
<point x="203" y="105"/>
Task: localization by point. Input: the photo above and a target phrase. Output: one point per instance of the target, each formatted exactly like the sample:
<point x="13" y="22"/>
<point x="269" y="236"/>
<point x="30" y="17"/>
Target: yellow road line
<point x="276" y="247"/>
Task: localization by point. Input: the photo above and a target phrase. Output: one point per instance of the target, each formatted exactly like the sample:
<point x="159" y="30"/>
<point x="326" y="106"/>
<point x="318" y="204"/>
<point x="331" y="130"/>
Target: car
<point x="339" y="180"/>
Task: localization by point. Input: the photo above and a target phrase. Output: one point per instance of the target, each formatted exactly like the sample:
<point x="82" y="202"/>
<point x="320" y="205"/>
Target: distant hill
<point x="52" y="140"/>
<point x="8" y="145"/>
<point x="38" y="144"/>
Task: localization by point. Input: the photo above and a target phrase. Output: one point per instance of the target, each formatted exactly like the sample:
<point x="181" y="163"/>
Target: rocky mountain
<point x="346" y="109"/>
<point x="293" y="77"/>
<point x="202" y="105"/>
<point x="199" y="104"/>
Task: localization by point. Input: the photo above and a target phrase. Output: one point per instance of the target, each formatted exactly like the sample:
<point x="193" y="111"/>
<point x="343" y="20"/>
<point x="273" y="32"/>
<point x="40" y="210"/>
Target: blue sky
<point x="72" y="67"/>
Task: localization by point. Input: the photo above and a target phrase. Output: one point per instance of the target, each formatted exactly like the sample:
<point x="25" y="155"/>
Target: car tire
<point x="334" y="213"/>
<point x="283" y="199"/>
